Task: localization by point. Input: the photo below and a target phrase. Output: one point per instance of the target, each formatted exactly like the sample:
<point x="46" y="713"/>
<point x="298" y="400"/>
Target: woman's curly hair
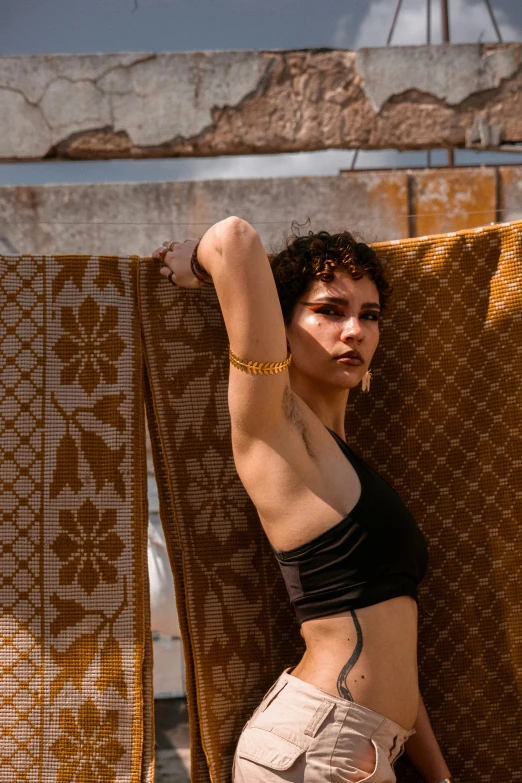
<point x="315" y="257"/>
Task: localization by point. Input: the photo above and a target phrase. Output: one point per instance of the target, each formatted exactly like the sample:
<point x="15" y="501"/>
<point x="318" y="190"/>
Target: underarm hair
<point x="292" y="414"/>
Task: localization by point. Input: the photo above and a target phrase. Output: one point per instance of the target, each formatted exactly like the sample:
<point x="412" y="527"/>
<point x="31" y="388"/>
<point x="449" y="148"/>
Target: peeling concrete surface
<point x="174" y="95"/>
<point x="38" y="92"/>
<point x="451" y="73"/>
<point x="134" y="218"/>
<point x="103" y="106"/>
<point x="152" y="99"/>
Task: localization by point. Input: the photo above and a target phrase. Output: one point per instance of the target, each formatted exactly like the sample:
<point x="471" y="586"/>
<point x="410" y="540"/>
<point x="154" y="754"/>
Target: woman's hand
<point x="177" y="263"/>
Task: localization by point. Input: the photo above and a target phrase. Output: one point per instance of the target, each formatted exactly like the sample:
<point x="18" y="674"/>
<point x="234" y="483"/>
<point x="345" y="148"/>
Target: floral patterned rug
<point x="75" y="679"/>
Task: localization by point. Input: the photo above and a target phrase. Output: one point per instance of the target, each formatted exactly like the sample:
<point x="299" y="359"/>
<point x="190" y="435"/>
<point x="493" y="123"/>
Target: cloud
<point x="469" y="23"/>
<point x="282" y="165"/>
<point x="343" y="34"/>
<point x="297" y="164"/>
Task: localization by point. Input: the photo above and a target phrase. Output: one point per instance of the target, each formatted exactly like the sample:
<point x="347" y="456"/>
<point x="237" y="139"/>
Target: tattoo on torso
<point x="342" y="688"/>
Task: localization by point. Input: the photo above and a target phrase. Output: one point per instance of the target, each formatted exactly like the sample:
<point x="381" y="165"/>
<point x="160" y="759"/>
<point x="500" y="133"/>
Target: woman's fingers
<point x="165" y="258"/>
<point x="180" y="280"/>
<point x="175" y="258"/>
<point x="161" y="253"/>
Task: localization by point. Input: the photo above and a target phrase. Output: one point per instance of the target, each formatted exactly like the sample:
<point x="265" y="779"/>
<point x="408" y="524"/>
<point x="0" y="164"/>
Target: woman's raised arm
<point x="232" y="253"/>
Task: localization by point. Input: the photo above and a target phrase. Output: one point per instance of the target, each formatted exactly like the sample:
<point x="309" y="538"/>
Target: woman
<point x="349" y="550"/>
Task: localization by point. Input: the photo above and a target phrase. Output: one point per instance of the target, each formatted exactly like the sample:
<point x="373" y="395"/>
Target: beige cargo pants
<point x="302" y="734"/>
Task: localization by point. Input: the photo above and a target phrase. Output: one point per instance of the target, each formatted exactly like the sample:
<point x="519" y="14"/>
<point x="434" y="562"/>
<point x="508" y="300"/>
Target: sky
<point x="73" y="26"/>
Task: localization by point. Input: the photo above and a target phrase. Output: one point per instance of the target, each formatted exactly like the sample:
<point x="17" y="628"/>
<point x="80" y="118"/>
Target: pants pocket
<point x="359" y="759"/>
<point x="268" y="749"/>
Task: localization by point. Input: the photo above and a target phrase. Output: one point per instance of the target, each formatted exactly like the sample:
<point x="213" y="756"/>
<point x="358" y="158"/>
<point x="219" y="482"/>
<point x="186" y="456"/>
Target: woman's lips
<point x="349" y="360"/>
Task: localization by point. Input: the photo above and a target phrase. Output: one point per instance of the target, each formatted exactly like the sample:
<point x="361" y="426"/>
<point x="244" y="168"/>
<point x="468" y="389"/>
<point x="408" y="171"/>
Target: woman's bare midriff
<point x="384" y="678"/>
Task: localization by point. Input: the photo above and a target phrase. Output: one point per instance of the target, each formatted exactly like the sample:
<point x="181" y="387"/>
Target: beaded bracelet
<point x="197" y="270"/>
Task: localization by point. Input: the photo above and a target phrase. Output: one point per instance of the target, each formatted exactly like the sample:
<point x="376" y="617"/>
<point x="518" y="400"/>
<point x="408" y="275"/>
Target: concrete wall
<point x="217" y="103"/>
<point x="133" y="218"/>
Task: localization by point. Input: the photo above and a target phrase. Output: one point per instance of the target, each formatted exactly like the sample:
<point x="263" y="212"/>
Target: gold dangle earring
<point x="366" y="380"/>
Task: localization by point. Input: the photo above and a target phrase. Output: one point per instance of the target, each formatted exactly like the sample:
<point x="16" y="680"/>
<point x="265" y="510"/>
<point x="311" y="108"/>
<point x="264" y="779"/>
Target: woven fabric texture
<point x="75" y="659"/>
<point x="441" y="423"/>
<point x="237" y="624"/>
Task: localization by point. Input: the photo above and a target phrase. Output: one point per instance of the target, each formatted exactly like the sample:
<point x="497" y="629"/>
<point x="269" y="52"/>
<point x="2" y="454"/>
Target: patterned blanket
<point x="442" y="424"/>
<point x="234" y="616"/>
<point x="75" y="681"/>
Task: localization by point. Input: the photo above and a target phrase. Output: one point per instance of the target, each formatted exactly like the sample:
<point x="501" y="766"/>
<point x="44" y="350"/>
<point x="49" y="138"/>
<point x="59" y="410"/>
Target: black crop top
<point x="375" y="553"/>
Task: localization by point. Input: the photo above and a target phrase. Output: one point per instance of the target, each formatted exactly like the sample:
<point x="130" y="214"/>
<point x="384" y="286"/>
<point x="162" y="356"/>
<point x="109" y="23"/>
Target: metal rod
<point x="395" y="16"/>
<point x="494" y="21"/>
<point x="499" y="201"/>
<point x="411" y="202"/>
<point x="445" y="21"/>
<point x="445" y="39"/>
<point x="428" y="21"/>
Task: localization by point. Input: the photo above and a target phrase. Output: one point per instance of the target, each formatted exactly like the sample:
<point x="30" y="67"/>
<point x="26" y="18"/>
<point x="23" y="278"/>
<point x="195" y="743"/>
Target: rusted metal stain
<point x="445" y="200"/>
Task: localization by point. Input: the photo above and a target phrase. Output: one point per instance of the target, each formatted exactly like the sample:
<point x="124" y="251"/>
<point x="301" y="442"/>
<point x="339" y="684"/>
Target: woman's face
<point x="329" y="320"/>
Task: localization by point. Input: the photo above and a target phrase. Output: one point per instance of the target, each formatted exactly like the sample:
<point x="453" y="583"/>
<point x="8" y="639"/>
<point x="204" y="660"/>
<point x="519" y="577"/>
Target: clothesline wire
<point x="209" y="222"/>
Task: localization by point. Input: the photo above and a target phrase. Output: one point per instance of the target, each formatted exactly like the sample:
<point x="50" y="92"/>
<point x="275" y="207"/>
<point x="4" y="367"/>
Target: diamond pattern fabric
<point x="75" y="695"/>
<point x="441" y="423"/>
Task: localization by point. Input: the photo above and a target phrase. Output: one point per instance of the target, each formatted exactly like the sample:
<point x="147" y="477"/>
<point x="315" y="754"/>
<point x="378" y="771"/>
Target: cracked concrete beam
<point x="449" y="73"/>
<point x="223" y="103"/>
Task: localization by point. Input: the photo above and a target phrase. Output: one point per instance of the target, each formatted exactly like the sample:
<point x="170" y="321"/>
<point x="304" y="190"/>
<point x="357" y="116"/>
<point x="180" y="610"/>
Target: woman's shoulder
<point x="296" y="474"/>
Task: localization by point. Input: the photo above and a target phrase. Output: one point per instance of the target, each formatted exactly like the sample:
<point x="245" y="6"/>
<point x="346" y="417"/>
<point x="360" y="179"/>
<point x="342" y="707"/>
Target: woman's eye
<point x="331" y="311"/>
<point x="327" y="311"/>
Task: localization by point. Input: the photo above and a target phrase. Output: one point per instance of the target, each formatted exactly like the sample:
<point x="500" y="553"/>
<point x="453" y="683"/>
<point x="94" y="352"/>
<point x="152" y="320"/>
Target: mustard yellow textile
<point x="234" y="616"/>
<point x="75" y="684"/>
<point x="442" y="424"/>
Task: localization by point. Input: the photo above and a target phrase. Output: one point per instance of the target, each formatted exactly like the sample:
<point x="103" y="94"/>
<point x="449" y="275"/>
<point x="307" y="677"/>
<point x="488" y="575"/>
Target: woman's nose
<point x="352" y="327"/>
